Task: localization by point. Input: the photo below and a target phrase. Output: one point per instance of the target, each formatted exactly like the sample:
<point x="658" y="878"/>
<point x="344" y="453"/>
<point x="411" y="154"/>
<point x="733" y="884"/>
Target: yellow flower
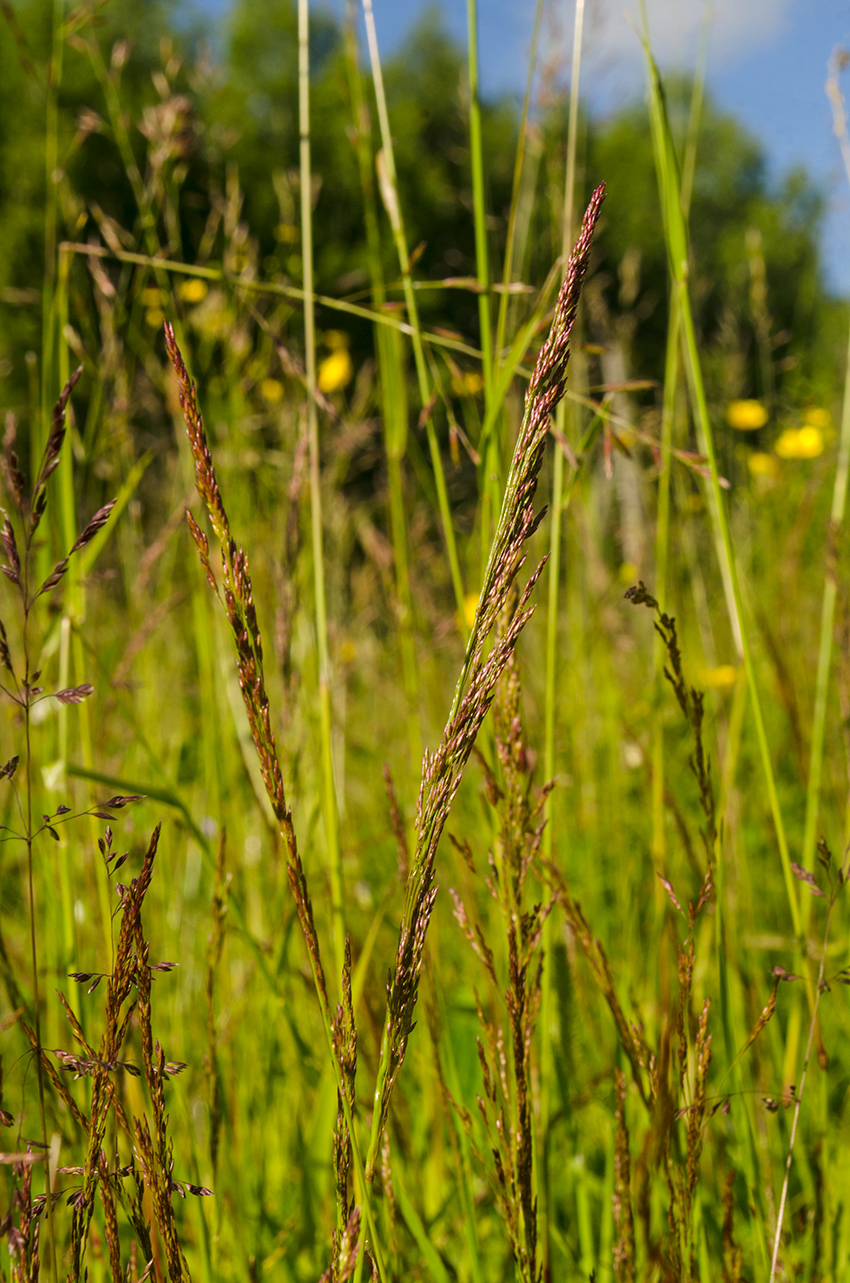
<point x="469" y="383"/>
<point x="470" y="605"/>
<point x="746" y="416"/>
<point x="336" y="339"/>
<point x="721" y="678"/>
<point x="816" y="417"/>
<point x="286" y="233"/>
<point x="272" y="390"/>
<point x="151" y="296"/>
<point x="154" y="317"/>
<point x="194" y="290"/>
<point x="800" y="443"/>
<point x="335" y="371"/>
<point x="762" y="465"/>
<point x="628" y="573"/>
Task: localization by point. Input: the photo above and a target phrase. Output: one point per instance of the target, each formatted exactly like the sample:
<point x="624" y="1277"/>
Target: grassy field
<point x="425" y="806"/>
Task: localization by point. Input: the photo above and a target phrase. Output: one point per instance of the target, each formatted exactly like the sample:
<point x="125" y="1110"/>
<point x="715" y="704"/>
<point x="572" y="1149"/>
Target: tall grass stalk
<point x="329" y="799"/>
<point x="39" y="432"/>
<point x="491" y="453"/>
<point x="668" y="414"/>
<point x="836" y="522"/>
<point x="508" y="267"/>
<point x="393" y="385"/>
<point x="677" y="249"/>
<point x="551" y="692"/>
<point x="390" y="195"/>
<point x="442" y="770"/>
<point x="836" y="887"/>
<point x="51" y="225"/>
<point x="479" y="203"/>
<point x="238" y="602"/>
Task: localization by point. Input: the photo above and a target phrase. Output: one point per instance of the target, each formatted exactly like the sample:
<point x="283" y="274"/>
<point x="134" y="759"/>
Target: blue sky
<point x="767" y="64"/>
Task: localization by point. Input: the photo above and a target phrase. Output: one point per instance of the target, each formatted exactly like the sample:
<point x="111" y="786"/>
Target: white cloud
<point x="613" y="56"/>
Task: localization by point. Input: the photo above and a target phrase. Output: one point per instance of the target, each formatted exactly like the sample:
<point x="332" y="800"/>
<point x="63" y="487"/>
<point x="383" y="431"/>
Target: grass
<point x="565" y="996"/>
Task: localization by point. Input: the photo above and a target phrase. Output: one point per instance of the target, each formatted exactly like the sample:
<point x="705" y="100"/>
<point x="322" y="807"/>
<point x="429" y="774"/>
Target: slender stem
<point x="482" y="265"/>
<point x="662" y="540"/>
<point x="676" y="237"/>
<point x="546" y="1060"/>
<point x="508" y="268"/>
<point x="331" y="815"/>
<point x="668" y="410"/>
<point x="830" y="591"/>
<point x="387" y="320"/>
<point x="836" y="520"/>
<point x="799" y="1096"/>
<point x="391" y="377"/>
<point x="491" y="454"/>
<point x="51" y="224"/>
<point x="390" y="195"/>
<point x="51" y="1219"/>
<point x="51" y="164"/>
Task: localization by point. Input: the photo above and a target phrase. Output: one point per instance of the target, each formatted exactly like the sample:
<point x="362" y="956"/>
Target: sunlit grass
<point x="629" y="1115"/>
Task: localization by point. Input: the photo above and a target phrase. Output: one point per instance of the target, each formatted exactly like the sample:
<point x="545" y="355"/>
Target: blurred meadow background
<point x="629" y="1054"/>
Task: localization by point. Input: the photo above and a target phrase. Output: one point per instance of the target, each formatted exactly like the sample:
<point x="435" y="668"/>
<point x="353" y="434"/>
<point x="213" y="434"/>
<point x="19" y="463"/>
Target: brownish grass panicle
<point x="125" y="976"/>
<point x="345" y="1047"/>
<point x="237" y="598"/>
<point x="443" y="769"/>
<point x="110" y="1220"/>
<point x="22" y="1239"/>
<point x="30" y="507"/>
<point x="153" y="1148"/>
<point x="506" y="1106"/>
<point x="397" y="824"/>
<point x="119" y="1185"/>
<point x="682" y="1180"/>
<point x="691" y="703"/>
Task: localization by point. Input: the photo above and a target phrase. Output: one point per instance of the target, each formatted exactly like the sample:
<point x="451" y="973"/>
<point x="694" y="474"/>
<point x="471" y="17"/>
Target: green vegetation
<point x="568" y="996"/>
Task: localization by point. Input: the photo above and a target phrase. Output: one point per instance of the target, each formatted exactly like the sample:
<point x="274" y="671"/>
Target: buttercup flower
<point x="272" y="391"/>
<point x="746" y="416"/>
<point x="800" y="443"/>
<point x="335" y="371"/>
<point x="194" y="290"/>
<point x="762" y="465"/>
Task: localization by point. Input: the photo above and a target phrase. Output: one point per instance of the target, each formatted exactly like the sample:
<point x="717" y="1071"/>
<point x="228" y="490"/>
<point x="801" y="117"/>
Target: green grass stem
<point x="836" y="522"/>
<point x="668" y="412"/>
<point x="479" y="204"/>
<point x="389" y="350"/>
<point x="551" y="690"/>
<point x="830" y="592"/>
<point x="677" y="247"/>
<point x="519" y="162"/>
<point x="329" y="798"/>
<point x="390" y="195"/>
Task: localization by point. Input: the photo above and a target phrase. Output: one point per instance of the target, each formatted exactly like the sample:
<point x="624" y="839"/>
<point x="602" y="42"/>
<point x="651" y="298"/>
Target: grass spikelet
<point x="237" y="600"/>
<point x="506" y="1107"/>
<point x="442" y="770"/>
